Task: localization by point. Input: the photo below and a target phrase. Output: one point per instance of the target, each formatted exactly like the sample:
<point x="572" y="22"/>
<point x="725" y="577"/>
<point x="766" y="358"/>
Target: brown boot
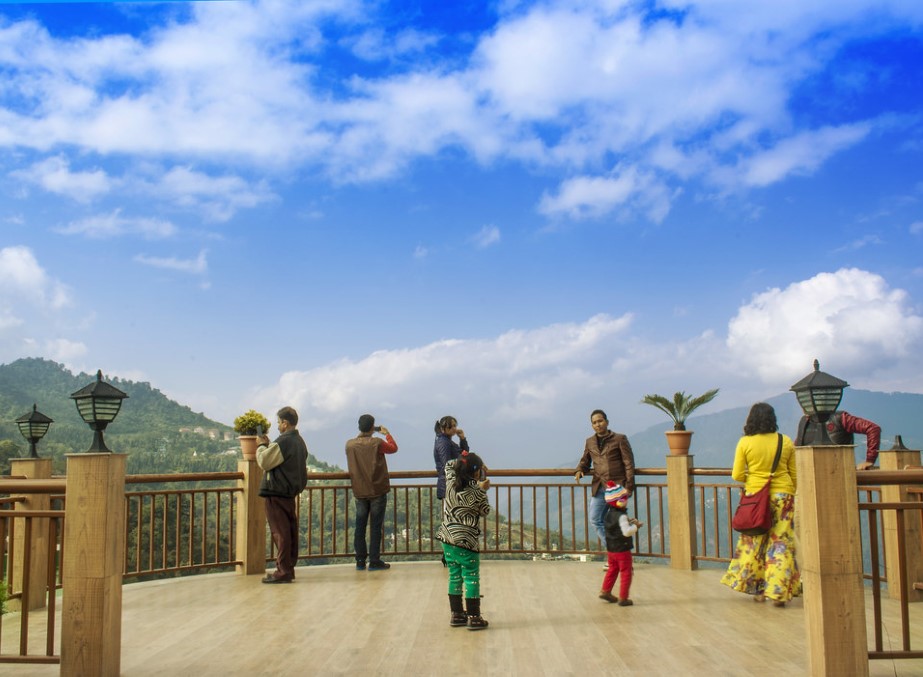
<point x="458" y="618"/>
<point x="475" y="621"/>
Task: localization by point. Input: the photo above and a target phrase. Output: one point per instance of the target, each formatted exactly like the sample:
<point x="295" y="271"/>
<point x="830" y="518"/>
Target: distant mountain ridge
<point x="716" y="435"/>
<point x="159" y="435"/>
<point x="49" y="385"/>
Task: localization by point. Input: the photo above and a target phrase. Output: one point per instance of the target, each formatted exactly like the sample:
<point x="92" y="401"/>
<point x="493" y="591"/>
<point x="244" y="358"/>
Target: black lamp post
<point x="98" y="404"/>
<point x="819" y="395"/>
<point x="33" y="427"/>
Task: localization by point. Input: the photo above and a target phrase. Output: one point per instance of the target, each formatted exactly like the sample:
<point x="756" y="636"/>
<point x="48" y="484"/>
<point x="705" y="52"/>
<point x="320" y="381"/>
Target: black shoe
<point x="360" y="566"/>
<point x="272" y="579"/>
<point x="477" y="623"/>
<point x="378" y="566"/>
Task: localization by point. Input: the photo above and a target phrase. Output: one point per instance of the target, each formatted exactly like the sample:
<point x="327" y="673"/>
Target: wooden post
<point x="37" y="576"/>
<point x="94" y="543"/>
<point x="251" y="521"/>
<point x="897" y="459"/>
<point x="831" y="561"/>
<point x="681" y="507"/>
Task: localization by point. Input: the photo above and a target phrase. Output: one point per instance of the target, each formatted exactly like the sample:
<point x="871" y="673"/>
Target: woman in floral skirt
<point x="764" y="566"/>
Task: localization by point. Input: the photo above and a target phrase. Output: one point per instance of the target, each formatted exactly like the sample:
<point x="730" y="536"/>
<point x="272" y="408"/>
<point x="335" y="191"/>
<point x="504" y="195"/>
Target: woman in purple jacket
<point x="445" y="449"/>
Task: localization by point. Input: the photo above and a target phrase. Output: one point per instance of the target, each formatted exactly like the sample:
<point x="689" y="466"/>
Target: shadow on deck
<point x="545" y="618"/>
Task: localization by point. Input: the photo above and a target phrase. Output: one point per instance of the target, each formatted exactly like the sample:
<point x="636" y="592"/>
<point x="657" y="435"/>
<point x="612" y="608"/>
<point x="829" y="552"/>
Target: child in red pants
<point x="619" y="530"/>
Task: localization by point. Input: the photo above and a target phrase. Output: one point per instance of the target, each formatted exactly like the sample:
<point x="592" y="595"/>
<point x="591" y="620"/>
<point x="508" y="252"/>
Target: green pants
<point x="464" y="565"/>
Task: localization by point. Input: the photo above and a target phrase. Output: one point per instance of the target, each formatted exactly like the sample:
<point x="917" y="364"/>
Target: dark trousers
<point x="367" y="508"/>
<point x="283" y="525"/>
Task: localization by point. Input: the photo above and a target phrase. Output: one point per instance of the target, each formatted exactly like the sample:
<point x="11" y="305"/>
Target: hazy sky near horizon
<point x="512" y="212"/>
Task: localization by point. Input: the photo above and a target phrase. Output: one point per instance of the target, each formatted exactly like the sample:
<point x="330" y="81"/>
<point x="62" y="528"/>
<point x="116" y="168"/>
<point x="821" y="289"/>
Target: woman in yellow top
<point x="764" y="566"/>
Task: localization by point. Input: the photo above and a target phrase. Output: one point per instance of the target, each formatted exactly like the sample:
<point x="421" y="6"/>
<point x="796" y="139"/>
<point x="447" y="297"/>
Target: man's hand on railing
<point x="865" y="465"/>
<point x="578" y="476"/>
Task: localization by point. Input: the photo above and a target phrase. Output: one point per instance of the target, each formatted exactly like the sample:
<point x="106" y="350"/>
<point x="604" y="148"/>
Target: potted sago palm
<point x="678" y="409"/>
<point x="248" y="426"/>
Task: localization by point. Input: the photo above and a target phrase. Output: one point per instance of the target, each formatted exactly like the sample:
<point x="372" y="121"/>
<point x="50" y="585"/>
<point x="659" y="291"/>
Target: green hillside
<point x="158" y="434"/>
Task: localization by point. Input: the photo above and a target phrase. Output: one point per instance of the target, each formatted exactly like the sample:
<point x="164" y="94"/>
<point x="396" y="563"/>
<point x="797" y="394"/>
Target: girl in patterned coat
<point x="464" y="505"/>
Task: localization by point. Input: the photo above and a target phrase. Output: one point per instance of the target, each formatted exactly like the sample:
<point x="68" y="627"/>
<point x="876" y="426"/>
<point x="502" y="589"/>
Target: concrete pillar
<point x="94" y="546"/>
<point x="37" y="576"/>
<point x="681" y="507"/>
<point x="897" y="459"/>
<point x="831" y="561"/>
<point x="251" y="520"/>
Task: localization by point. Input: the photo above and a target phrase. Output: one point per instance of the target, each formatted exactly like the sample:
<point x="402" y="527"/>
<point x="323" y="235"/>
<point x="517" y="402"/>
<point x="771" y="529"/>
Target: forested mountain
<point x="158" y="434"/>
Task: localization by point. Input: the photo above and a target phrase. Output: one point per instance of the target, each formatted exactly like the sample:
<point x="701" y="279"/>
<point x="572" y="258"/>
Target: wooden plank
<point x="545" y="619"/>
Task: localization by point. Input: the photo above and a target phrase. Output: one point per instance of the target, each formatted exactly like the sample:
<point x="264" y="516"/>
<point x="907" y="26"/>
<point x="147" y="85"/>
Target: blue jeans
<point x="365" y="507"/>
<point x="598" y="508"/>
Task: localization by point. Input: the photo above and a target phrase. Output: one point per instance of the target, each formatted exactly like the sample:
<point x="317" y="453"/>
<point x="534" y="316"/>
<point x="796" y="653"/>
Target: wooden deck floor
<point x="545" y="619"/>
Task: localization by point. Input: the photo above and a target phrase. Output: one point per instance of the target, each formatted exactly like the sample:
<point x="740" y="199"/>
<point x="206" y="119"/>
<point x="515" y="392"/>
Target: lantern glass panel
<point x="107" y="409"/>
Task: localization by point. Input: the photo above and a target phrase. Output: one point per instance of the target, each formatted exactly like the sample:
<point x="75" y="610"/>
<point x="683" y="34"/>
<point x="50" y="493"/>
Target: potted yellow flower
<point x="248" y="426"/>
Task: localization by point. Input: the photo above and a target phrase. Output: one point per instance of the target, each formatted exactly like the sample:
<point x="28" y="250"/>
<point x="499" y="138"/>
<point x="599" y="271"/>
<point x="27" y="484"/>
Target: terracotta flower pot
<point x="248" y="446"/>
<point x="679" y="442"/>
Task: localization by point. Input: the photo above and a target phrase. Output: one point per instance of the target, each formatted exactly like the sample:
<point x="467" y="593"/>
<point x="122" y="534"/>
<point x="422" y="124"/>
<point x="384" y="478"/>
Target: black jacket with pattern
<point x="462" y="512"/>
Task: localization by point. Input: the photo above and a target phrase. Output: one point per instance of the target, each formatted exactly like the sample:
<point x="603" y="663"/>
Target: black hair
<point x="599" y="411"/>
<point x="288" y="415"/>
<point x="761" y="419"/>
<point x="366" y="423"/>
<point x="443" y="423"/>
<point x="468" y="467"/>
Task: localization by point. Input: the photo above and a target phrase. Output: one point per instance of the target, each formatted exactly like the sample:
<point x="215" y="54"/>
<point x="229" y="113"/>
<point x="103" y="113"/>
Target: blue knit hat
<point x="616" y="494"/>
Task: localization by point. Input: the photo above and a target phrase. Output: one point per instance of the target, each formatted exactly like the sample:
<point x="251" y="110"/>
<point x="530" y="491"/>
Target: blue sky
<point x="511" y="212"/>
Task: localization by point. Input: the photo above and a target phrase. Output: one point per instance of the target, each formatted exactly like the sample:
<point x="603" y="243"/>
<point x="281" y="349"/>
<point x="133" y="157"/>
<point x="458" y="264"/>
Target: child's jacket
<point x="619" y="530"/>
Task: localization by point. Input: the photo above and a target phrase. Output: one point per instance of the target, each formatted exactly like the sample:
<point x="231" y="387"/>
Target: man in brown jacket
<point x="608" y="454"/>
<point x="368" y="471"/>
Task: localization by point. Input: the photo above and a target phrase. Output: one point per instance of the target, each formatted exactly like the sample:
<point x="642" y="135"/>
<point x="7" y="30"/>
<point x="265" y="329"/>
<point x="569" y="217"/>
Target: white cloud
<point x="860" y="243"/>
<point x="420" y="252"/>
<point x="517" y="375"/>
<point x="23" y="280"/>
<point x="572" y="86"/>
<point x="218" y="197"/>
<point x="104" y="226"/>
<point x="916" y="228"/>
<point x="33" y="303"/>
<point x="54" y="175"/>
<point x="850" y="320"/>
<point x="64" y="351"/>
<point x="801" y="154"/>
<point x="375" y="44"/>
<point x="594" y="196"/>
<point x="196" y="266"/>
<point x="486" y="236"/>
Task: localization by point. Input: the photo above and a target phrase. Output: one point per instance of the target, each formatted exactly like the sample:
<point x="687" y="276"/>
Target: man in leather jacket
<point x="608" y="454"/>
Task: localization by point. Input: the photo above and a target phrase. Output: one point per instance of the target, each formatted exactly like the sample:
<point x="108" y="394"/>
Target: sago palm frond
<point x="681" y="406"/>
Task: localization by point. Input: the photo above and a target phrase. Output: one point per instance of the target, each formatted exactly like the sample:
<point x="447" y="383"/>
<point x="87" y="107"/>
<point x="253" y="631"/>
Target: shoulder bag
<point x="753" y="516"/>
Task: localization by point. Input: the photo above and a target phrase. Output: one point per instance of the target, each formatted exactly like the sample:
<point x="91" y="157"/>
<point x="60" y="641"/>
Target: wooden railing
<point x="529" y="517"/>
<point x="180" y="531"/>
<point x="188" y="525"/>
